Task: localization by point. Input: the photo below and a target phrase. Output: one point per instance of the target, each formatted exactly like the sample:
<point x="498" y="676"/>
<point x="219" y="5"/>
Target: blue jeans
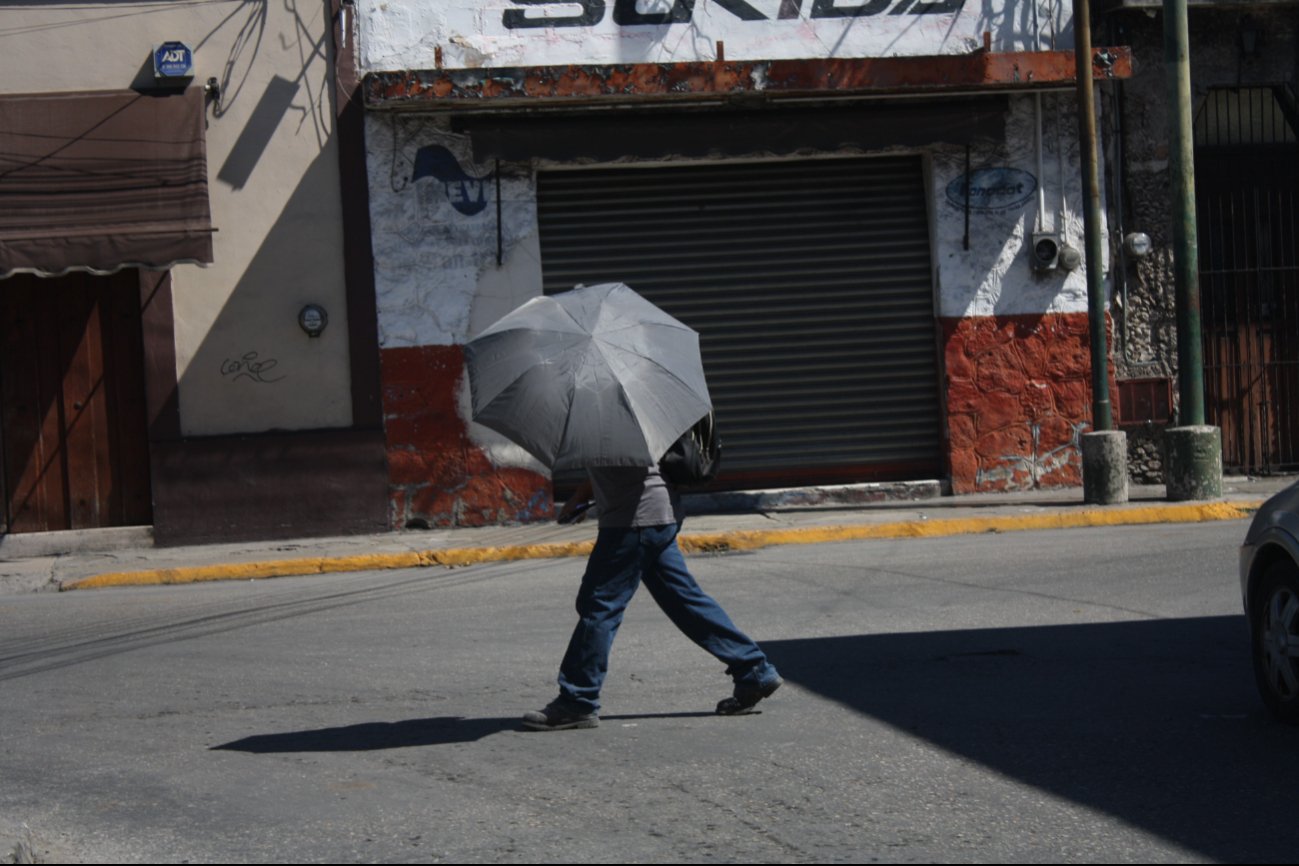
<point x="621" y="560"/>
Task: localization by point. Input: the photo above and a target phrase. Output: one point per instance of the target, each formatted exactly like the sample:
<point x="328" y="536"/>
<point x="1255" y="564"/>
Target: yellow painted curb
<point x="1196" y="513"/>
<point x="690" y="542"/>
<point x="449" y="558"/>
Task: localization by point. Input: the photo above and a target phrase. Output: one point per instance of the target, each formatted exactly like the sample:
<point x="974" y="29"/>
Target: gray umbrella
<point x="597" y="376"/>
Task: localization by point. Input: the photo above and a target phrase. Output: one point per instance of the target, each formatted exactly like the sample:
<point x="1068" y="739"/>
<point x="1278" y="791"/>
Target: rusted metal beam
<point x="536" y="86"/>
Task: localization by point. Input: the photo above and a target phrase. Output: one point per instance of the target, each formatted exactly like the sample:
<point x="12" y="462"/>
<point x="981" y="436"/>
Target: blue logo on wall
<point x="992" y="189"/>
<point x="467" y="194"/>
<point x="173" y="60"/>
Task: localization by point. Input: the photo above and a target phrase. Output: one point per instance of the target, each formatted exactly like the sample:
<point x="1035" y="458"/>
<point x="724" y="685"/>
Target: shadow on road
<point x="1154" y="722"/>
<point x="371" y="736"/>
<point x="375" y="735"/>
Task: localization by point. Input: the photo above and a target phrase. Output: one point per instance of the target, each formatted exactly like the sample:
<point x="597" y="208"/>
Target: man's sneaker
<point x="558" y="716"/>
<point x="746" y="697"/>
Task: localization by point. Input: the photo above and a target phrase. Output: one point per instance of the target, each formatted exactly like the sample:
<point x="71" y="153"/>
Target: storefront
<point x="851" y="234"/>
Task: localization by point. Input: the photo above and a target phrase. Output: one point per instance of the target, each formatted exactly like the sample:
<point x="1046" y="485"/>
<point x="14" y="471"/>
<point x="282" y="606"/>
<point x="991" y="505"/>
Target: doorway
<point x="73" y="420"/>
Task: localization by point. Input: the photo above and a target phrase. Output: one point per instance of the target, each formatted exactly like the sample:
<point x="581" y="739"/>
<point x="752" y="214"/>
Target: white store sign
<point x="416" y="34"/>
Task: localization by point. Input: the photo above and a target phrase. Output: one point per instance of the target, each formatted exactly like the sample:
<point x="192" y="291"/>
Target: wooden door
<point x="72" y="412"/>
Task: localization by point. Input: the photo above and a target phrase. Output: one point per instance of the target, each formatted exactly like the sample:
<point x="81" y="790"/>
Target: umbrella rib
<point x="627" y="397"/>
<point x="554" y="353"/>
<point x="674" y="325"/>
<point x="647" y="359"/>
<point x="568" y="418"/>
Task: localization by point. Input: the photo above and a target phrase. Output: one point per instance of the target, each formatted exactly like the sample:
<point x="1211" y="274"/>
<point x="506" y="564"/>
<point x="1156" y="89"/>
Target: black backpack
<point x="696" y="457"/>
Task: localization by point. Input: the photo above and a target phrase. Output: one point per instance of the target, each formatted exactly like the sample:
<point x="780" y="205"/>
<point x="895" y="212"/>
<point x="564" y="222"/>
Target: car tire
<point x="1274" y="632"/>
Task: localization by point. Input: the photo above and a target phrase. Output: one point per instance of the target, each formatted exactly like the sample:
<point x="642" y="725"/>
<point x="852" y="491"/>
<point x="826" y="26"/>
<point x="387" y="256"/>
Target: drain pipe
<point x="1037" y="140"/>
<point x="1041" y="170"/>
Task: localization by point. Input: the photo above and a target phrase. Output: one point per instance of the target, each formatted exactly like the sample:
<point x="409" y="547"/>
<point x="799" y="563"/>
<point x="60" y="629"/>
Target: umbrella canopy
<point x="597" y="376"/>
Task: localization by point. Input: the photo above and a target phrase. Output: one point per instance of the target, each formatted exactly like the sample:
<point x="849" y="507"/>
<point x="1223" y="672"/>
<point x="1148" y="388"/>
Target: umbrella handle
<point x="577" y="515"/>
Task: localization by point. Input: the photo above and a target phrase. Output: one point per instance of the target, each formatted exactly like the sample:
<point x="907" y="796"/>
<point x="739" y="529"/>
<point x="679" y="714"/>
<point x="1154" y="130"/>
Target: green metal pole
<point x="1102" y="418"/>
<point x="1194" y="467"/>
<point x="1186" y="264"/>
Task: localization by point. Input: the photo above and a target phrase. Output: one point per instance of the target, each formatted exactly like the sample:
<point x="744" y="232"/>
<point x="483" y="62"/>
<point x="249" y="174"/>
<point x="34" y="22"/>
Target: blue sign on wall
<point x="173" y="60"/>
<point x="992" y="189"/>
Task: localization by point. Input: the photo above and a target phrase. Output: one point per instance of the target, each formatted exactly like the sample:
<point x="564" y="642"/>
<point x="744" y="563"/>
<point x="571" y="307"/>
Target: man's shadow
<point x="372" y="736"/>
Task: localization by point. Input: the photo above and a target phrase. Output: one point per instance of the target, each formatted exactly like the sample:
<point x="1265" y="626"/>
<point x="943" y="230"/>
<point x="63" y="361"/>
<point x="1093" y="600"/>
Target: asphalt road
<point x="1057" y="696"/>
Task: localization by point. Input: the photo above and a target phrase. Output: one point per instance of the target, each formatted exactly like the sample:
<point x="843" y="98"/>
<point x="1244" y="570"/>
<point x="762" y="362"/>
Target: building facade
<point x="175" y="197"/>
<point x="1243" y="69"/>
<point x="871" y="212"/>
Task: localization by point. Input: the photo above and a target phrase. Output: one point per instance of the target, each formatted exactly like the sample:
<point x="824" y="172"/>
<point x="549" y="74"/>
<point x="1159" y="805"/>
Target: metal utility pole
<point x="1186" y="255"/>
<point x="1194" y="469"/>
<point x="1102" y="417"/>
<point x="1104" y="450"/>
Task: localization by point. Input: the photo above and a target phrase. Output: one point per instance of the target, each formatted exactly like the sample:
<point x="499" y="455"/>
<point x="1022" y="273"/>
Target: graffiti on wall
<point x="1038" y="464"/>
<point x="250" y="367"/>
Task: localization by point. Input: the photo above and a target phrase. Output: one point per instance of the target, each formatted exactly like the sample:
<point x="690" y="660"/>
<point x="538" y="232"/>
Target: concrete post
<point x="1193" y="469"/>
<point x="1105" y="467"/>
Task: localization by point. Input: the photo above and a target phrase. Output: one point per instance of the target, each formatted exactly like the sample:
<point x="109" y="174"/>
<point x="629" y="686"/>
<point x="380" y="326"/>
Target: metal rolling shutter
<point x="810" y="284"/>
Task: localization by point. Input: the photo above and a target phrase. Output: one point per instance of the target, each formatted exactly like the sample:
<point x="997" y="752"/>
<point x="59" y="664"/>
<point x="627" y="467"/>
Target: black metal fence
<point x="1247" y="202"/>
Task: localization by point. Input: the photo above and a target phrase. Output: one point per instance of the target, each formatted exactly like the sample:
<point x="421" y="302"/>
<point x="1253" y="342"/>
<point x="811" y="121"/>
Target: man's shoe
<point x="746" y="697"/>
<point x="557" y="716"/>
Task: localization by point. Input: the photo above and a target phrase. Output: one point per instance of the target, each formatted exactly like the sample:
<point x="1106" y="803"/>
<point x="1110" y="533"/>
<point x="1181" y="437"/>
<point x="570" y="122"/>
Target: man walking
<point x="640" y="515"/>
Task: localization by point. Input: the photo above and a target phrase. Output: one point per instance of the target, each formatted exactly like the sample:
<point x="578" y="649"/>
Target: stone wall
<point x="1137" y="117"/>
<point x="1146" y="453"/>
<point x="1138" y="131"/>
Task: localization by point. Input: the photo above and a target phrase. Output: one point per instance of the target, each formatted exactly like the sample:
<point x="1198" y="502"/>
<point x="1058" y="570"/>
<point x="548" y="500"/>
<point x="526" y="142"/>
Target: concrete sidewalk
<point x="107" y="558"/>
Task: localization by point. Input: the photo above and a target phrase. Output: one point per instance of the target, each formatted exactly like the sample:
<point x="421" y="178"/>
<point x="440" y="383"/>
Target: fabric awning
<point x="101" y="181"/>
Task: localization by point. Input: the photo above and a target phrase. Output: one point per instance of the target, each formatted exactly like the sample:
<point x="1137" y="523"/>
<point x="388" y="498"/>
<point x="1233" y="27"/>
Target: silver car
<point x="1269" y="583"/>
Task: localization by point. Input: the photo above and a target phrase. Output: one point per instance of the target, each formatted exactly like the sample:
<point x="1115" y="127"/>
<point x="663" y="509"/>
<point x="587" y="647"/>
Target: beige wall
<point x="243" y="363"/>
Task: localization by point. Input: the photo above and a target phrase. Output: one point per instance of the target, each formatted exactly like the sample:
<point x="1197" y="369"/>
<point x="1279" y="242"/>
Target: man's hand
<point x="575" y="509"/>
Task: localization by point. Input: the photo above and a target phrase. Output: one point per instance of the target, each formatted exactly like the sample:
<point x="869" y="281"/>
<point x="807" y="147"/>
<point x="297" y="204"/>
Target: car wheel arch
<point x="1268" y="551"/>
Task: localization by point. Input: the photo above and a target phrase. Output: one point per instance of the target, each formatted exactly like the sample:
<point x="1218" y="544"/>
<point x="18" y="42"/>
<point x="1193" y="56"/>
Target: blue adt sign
<point x="173" y="60"/>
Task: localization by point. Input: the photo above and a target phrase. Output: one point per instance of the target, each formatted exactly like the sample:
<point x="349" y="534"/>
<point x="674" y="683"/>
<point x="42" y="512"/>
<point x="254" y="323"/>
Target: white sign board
<point x="399" y="35"/>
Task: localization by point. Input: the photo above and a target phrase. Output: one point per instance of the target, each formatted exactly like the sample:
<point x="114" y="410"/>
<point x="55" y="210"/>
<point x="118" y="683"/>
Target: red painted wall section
<point x="437" y="476"/>
<point x="1018" y="398"/>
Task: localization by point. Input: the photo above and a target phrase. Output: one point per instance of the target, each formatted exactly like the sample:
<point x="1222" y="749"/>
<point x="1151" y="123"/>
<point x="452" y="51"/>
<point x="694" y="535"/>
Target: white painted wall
<point x="274" y="189"/>
<point x="438" y="281"/>
<point x="994" y="277"/>
<point x="443" y="273"/>
<point x="407" y="34"/>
